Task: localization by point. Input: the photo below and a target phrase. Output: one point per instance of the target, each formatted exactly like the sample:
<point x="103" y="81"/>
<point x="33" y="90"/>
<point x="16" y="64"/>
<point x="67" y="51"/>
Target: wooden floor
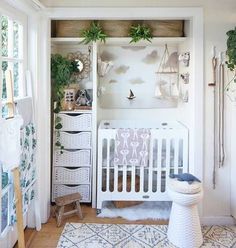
<point x="49" y="234"/>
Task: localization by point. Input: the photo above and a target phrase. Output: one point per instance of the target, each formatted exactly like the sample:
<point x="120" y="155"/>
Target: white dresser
<point x="72" y="155"/>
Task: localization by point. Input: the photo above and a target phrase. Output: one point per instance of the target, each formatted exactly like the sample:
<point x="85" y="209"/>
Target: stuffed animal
<point x="185" y="177"/>
<point x="82" y="98"/>
<point x="185" y="58"/>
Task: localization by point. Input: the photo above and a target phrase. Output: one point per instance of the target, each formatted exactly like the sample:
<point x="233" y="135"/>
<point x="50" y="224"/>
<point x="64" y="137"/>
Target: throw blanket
<point x="132" y="147"/>
<point x="10" y="149"/>
<point x="27" y="167"/>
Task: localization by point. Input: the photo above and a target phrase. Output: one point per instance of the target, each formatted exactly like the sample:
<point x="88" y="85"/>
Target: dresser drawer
<point x="61" y="190"/>
<point x="71" y="176"/>
<point x="72" y="158"/>
<point x="74" y="140"/>
<point x="75" y="122"/>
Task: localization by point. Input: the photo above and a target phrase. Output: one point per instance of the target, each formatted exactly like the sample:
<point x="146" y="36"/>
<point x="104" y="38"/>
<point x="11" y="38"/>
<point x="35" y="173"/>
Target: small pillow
<point x="183" y="186"/>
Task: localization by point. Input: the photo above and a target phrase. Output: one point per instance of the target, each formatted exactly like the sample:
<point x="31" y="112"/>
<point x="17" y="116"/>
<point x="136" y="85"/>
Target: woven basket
<point x="79" y="122"/>
<point x="71" y="176"/>
<point x="81" y="140"/>
<point x="61" y="190"/>
<point x="76" y="158"/>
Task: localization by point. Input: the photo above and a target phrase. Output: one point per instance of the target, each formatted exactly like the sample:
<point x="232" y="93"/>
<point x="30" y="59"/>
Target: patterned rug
<point x="136" y="236"/>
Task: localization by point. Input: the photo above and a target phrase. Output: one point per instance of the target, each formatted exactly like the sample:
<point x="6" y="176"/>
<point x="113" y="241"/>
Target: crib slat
<point x="167" y="157"/>
<point x="108" y="166"/>
<point x="133" y="179"/>
<point x="168" y="154"/>
<point x="185" y="154"/>
<point x="115" y="178"/>
<point x="159" y="158"/>
<point x="150" y="178"/>
<point x="141" y="179"/>
<point x="124" y="179"/>
<point x="176" y="156"/>
<point x="100" y="158"/>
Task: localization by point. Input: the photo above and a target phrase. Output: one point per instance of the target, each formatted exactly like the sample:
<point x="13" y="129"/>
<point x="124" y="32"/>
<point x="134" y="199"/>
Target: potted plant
<point x="140" y="32"/>
<point x="231" y="55"/>
<point x="94" y="33"/>
<point x="61" y="71"/>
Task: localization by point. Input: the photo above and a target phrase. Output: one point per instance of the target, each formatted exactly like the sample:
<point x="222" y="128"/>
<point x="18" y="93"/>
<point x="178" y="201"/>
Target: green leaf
<point x="94" y="33"/>
<point x="58" y="119"/>
<point x="140" y="32"/>
<point x="58" y="144"/>
<point x="58" y="126"/>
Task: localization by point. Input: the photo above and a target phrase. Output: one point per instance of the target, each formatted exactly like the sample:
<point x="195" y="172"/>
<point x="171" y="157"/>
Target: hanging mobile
<point x="131" y="95"/>
<point x="166" y="88"/>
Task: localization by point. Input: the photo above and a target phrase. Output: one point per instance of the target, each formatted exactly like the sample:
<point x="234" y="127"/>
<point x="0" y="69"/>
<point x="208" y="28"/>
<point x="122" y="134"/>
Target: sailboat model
<point x="131" y="95"/>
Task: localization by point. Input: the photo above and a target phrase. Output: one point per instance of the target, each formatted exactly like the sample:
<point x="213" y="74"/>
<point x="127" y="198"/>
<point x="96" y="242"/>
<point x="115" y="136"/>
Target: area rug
<point x="146" y="210"/>
<point x="78" y="235"/>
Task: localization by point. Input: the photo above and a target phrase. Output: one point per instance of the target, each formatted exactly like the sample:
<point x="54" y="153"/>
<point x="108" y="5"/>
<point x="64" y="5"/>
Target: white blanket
<point x="10" y="149"/>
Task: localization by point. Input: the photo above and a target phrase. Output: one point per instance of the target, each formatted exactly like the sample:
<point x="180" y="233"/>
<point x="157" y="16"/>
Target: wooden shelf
<point x="67" y="41"/>
<point x="155" y="41"/>
<point x="124" y="41"/>
<point x="77" y="111"/>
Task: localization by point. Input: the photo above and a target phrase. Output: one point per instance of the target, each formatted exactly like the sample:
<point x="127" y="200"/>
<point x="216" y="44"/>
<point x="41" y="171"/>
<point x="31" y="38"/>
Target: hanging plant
<point x="94" y="33"/>
<point x="231" y="54"/>
<point x="58" y="127"/>
<point x="61" y="71"/>
<point x="140" y="32"/>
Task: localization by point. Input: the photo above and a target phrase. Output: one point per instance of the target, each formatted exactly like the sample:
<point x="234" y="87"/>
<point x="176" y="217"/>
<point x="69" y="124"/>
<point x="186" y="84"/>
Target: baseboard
<point x="218" y="220"/>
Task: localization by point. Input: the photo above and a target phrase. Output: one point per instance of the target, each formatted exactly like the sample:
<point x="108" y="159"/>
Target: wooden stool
<point x="62" y="201"/>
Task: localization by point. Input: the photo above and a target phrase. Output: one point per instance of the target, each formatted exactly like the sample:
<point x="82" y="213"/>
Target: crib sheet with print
<point x="168" y="153"/>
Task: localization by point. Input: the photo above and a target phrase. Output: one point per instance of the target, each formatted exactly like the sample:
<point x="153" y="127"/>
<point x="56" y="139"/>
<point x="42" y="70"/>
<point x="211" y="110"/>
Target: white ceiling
<point x="120" y="3"/>
<point x="134" y="3"/>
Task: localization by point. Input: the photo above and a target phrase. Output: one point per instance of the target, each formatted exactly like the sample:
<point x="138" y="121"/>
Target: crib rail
<point x="168" y="153"/>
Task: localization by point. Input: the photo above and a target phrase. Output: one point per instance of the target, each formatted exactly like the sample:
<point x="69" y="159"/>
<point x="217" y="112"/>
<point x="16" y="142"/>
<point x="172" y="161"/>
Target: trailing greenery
<point x="61" y="71"/>
<point x="140" y="32"/>
<point x="94" y="33"/>
<point x="231" y="54"/>
<point x="58" y="126"/>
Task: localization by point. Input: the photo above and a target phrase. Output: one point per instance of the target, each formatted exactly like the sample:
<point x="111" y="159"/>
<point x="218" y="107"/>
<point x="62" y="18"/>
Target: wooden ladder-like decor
<point x="15" y="171"/>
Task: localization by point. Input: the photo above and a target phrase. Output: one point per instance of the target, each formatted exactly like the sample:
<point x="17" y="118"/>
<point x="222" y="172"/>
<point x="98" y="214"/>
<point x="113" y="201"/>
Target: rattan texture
<point x="80" y="122"/>
<point x="74" y="158"/>
<point x="77" y="140"/>
<point x="71" y="176"/>
<point x="61" y="190"/>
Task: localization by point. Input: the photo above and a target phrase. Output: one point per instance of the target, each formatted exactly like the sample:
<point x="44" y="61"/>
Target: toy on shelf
<point x="83" y="100"/>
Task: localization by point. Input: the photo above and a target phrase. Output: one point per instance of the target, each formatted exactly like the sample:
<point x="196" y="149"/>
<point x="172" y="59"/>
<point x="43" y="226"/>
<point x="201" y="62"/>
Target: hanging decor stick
<point x="221" y="151"/>
<point x="213" y="84"/>
<point x="15" y="171"/>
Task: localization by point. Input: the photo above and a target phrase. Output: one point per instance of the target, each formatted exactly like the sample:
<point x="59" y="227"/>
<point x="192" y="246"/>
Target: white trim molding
<point x="218" y="220"/>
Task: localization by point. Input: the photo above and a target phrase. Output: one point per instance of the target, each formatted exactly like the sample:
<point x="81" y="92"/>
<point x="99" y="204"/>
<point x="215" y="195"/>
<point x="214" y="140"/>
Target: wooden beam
<point x="10" y="94"/>
<point x="19" y="212"/>
<point x="15" y="171"/>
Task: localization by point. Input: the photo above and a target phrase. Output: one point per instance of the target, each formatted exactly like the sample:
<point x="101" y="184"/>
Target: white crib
<point x="168" y="153"/>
